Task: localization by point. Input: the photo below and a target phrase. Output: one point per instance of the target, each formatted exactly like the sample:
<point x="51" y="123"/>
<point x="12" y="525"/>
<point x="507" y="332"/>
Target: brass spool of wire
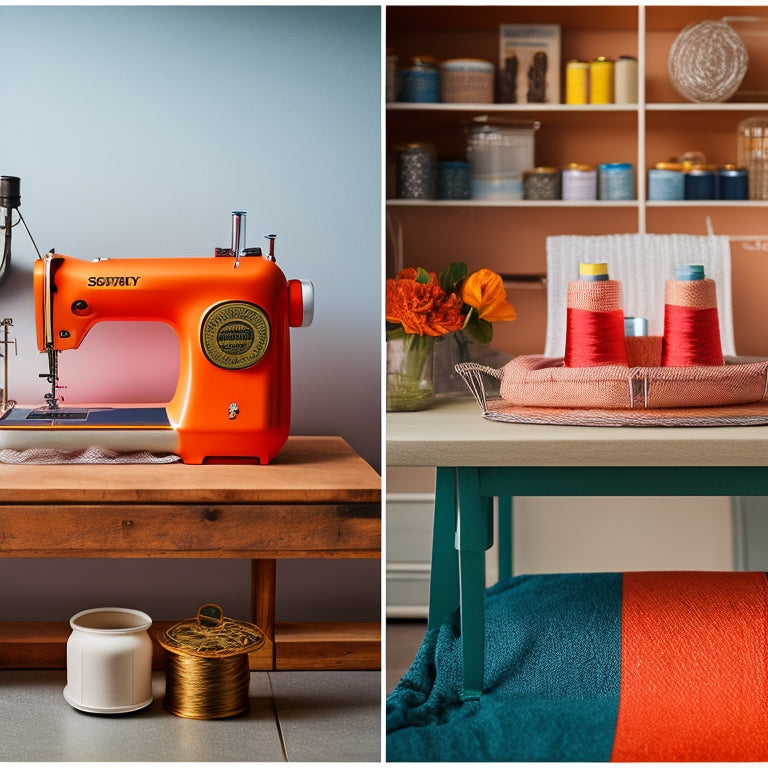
<point x="207" y="675"/>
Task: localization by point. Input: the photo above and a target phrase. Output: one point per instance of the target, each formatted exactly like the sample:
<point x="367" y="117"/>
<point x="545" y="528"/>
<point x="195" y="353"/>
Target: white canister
<point x="109" y="661"/>
<point x="625" y="80"/>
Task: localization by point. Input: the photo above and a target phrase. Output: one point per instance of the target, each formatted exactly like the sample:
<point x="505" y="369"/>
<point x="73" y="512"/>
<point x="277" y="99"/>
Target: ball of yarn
<point x="707" y="61"/>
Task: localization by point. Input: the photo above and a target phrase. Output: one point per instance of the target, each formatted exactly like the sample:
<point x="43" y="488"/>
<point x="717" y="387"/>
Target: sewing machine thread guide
<point x="5" y="403"/>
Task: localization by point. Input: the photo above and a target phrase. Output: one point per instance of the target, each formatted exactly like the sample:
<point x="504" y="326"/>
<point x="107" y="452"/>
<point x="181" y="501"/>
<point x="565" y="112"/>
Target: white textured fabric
<point x="93" y="455"/>
<point x="642" y="263"/>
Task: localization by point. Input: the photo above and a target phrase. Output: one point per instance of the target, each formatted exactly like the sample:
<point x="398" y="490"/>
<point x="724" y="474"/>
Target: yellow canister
<point x="601" y="81"/>
<point x="576" y="82"/>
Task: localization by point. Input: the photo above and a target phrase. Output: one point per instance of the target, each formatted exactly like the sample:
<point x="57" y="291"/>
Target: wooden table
<point x="478" y="460"/>
<point x="318" y="499"/>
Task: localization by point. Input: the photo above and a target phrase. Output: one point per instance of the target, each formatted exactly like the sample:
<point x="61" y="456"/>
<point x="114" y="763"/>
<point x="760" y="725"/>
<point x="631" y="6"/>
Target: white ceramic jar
<point x="109" y="661"/>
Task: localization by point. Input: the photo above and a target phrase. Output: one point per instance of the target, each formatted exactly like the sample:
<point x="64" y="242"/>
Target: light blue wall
<point x="137" y="130"/>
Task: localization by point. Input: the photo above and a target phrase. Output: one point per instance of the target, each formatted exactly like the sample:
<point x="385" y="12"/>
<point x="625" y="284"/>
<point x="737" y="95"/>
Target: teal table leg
<point x="474" y="536"/>
<point x="504" y="537"/>
<point x="444" y="577"/>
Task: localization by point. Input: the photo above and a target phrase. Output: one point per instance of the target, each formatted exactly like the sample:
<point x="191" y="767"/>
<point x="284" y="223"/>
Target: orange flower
<point x="422" y="308"/>
<point x="484" y="291"/>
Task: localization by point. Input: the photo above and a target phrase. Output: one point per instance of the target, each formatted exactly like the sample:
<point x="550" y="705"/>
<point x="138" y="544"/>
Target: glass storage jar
<point x="753" y="155"/>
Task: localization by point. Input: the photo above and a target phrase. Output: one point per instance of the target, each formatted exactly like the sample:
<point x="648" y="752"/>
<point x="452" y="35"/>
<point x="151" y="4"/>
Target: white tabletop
<point x="454" y="433"/>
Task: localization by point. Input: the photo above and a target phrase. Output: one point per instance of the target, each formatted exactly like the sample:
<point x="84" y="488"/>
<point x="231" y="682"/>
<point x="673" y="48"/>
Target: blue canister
<point x="420" y="82"/>
<point x="666" y="183"/>
<point x="701" y="183"/>
<point x="615" y="181"/>
<point x="733" y="183"/>
<point x="455" y="180"/>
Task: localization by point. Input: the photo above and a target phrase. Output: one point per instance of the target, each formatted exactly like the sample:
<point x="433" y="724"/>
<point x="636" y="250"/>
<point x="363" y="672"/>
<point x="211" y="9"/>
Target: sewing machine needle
<point x="52" y="377"/>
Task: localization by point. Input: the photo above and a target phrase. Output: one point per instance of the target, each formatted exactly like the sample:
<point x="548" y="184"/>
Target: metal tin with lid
<point x="616" y="181"/>
<point x="666" y="182"/>
<point x="701" y="183"/>
<point x="732" y="183"/>
<point x="420" y="81"/>
<point x="455" y="180"/>
<point x="579" y="182"/>
<point x="541" y="183"/>
<point x="417" y="171"/>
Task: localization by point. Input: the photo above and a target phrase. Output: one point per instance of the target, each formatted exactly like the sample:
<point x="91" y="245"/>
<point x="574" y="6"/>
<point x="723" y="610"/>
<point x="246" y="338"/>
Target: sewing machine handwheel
<point x="301" y="303"/>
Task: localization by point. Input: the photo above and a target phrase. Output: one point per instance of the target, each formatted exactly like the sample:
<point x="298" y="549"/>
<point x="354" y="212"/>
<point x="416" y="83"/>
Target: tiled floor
<point x="295" y="716"/>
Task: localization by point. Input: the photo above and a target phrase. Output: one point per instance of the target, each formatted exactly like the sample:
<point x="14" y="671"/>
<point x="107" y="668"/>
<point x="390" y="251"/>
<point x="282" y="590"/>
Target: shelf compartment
<point x="496" y="237"/>
<point x="668" y="135"/>
<point x="664" y="24"/>
<point x="459" y="32"/>
<point x="563" y="136"/>
<point x="422" y="21"/>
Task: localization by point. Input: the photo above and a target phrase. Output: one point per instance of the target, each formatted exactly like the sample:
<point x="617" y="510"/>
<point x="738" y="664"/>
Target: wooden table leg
<point x="444" y="575"/>
<point x="263" y="587"/>
<point x="474" y="537"/>
<point x="504" y="538"/>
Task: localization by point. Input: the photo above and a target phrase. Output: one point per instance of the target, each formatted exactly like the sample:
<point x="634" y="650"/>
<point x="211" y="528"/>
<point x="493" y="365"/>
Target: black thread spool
<point x="10" y="191"/>
<point x="207" y="674"/>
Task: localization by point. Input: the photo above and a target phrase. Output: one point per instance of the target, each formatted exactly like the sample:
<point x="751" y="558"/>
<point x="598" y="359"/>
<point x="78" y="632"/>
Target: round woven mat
<point x="749" y="414"/>
<point x="707" y="61"/>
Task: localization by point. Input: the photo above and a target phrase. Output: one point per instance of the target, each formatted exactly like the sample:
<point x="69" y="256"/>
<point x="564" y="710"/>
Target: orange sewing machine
<point x="231" y="313"/>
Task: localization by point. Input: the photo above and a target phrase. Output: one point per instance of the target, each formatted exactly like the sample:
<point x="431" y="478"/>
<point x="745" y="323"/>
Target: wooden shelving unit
<point x="510" y="236"/>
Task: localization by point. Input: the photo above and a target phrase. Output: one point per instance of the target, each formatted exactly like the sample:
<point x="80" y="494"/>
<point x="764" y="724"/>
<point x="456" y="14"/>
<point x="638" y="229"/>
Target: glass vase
<point x="410" y="377"/>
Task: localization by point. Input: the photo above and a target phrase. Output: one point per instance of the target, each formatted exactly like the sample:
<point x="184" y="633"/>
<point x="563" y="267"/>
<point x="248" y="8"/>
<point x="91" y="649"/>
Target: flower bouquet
<point x="422" y="306"/>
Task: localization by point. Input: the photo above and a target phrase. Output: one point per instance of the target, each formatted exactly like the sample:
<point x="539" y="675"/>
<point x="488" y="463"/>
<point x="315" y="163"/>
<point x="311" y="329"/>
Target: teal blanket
<point x="552" y="678"/>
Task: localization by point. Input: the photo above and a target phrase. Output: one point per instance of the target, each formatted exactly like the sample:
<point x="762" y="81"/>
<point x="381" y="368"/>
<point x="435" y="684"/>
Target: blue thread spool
<point x="455" y="180"/>
<point x="733" y="183"/>
<point x="616" y="181"/>
<point x="689" y="271"/>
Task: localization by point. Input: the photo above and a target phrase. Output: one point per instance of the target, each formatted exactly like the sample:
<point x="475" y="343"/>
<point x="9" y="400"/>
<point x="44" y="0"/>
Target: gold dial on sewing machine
<point x="235" y="335"/>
